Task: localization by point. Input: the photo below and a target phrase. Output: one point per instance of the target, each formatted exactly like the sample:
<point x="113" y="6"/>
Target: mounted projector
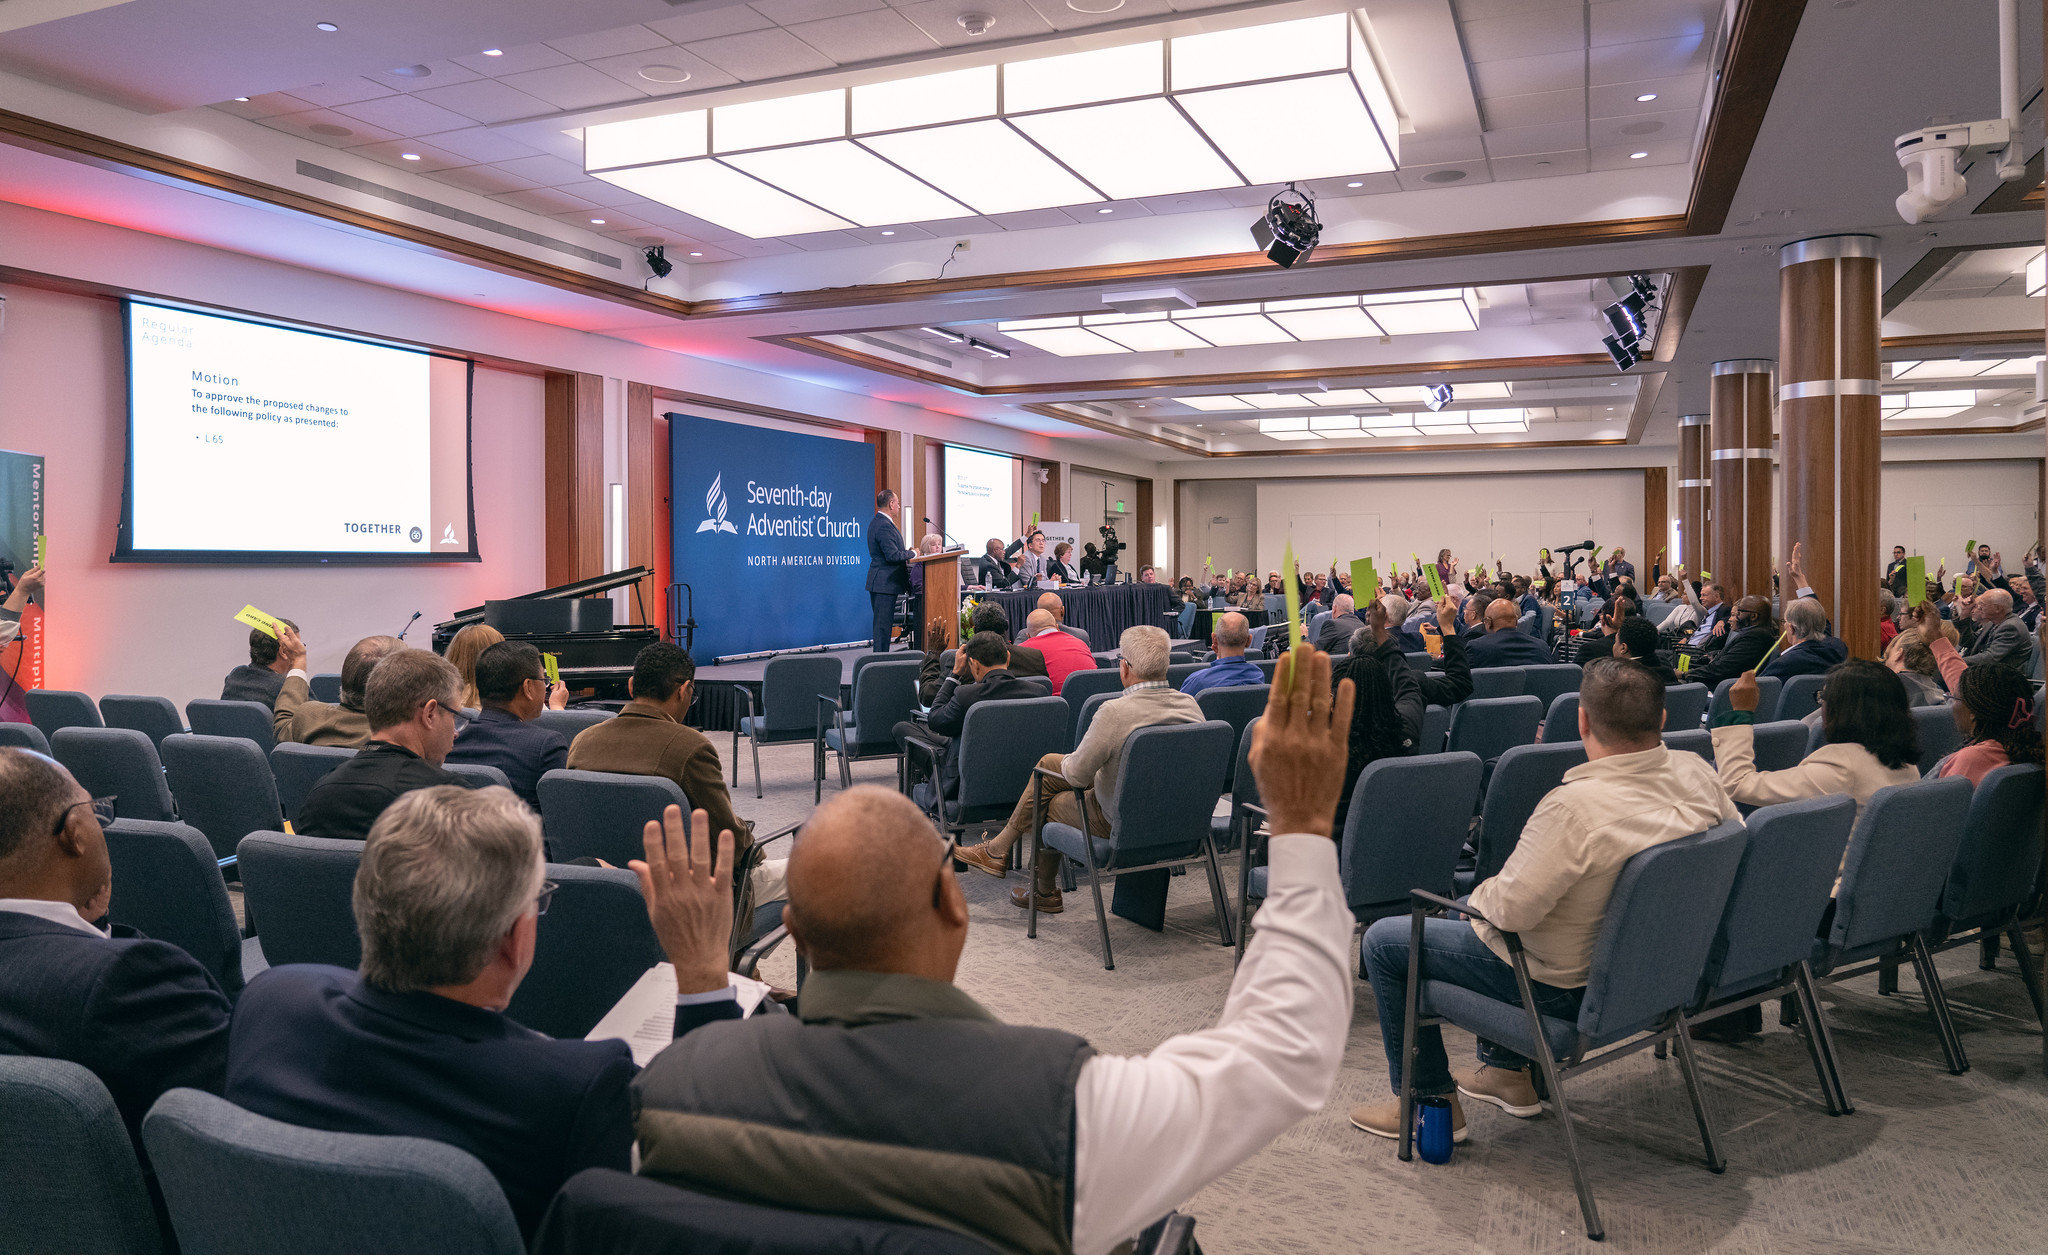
<point x="1438" y="397"/>
<point x="1289" y="230"/>
<point x="1148" y="301"/>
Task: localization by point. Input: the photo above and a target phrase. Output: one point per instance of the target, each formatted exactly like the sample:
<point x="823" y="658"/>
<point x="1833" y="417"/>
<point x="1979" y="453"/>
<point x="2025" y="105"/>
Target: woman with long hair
<point x="1993" y="707"/>
<point x="1872" y="741"/>
<point x="463" y="651"/>
<point x="1377" y="729"/>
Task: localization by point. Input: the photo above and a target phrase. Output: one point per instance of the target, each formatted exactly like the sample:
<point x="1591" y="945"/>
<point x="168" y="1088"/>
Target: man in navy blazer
<point x="513" y="690"/>
<point x="1505" y="643"/>
<point x="142" y="1015"/>
<point x="888" y="566"/>
<point x="448" y="900"/>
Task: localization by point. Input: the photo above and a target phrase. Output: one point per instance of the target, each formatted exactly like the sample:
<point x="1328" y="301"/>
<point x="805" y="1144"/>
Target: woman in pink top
<point x="1993" y="707"/>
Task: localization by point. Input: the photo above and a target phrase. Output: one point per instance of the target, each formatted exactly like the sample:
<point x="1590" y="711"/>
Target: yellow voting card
<point x="269" y="625"/>
<point x="42" y="550"/>
<point x="1365" y="582"/>
<point x="1436" y="582"/>
<point x="1916" y="580"/>
<point x="552" y="667"/>
<point x="1292" y="591"/>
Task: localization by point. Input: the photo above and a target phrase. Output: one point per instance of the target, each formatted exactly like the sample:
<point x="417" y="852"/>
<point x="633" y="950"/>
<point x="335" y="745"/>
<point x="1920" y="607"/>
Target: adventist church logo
<point x="714" y="506"/>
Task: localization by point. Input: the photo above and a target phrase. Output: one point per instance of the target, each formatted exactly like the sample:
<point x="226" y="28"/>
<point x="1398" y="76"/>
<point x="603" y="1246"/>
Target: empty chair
<point x="69" y="1179"/>
<point x="1407" y="822"/>
<point x="1236" y="705"/>
<point x="1419" y="660"/>
<point x="155" y="717"/>
<point x="299" y="891"/>
<point x="1661" y="921"/>
<point x="1314" y="630"/>
<point x="1992" y="881"/>
<point x="1490" y="726"/>
<point x="236" y="1183"/>
<point x="1436" y="725"/>
<point x="1170" y="779"/>
<point x="1266" y="666"/>
<point x="1561" y="721"/>
<point x="167" y="885"/>
<point x="1767" y="689"/>
<point x="325" y="686"/>
<point x="1545" y="682"/>
<point x="884" y="694"/>
<point x="1521" y="778"/>
<point x="1656" y="611"/>
<point x="483" y="774"/>
<point x="1497" y="682"/>
<point x="570" y="722"/>
<point x="602" y="814"/>
<point x="1082" y="685"/>
<point x="223" y="786"/>
<point x="250" y="720"/>
<point x="1886" y="903"/>
<point x="52" y="709"/>
<point x="297" y="768"/>
<point x="1799" y="697"/>
<point x="1765" y="939"/>
<point x="1685" y="706"/>
<point x="1177" y="673"/>
<point x="1000" y="742"/>
<point x="603" y="1209"/>
<point x="1939" y="736"/>
<point x="25" y="736"/>
<point x="789" y="706"/>
<point x="115" y="762"/>
<point x="589" y="949"/>
<point x="1691" y="741"/>
<point x="1779" y="744"/>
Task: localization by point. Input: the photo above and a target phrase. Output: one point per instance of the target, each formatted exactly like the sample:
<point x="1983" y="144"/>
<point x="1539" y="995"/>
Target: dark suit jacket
<point x="1741" y="652"/>
<point x="348" y="799"/>
<point x="1337" y="630"/>
<point x="935" y="685"/>
<point x="1509" y="647"/>
<point x="142" y="1015"/>
<point x="252" y="684"/>
<point x="316" y="1047"/>
<point x="888" y="559"/>
<point x="523" y="751"/>
<point x="950" y="716"/>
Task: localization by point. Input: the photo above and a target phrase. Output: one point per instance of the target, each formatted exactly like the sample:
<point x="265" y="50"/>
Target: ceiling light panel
<point x="1213" y="404"/>
<point x="1333" y="422"/>
<point x="674" y="137"/>
<point x="1239" y="329"/>
<point x="1275" y="401"/>
<point x="1035" y="324"/>
<point x="1085" y="77"/>
<point x="784" y="120"/>
<point x="986" y="166"/>
<point x="1371" y="79"/>
<point x="1344" y="396"/>
<point x="1439" y="425"/>
<point x="1291" y="435"/>
<point x="956" y="96"/>
<point x="1276" y="50"/>
<point x="1347" y="322"/>
<point x="1156" y="336"/>
<point x="1268" y="426"/>
<point x="1298" y="128"/>
<point x="1131" y="150"/>
<point x="1425" y="313"/>
<point x="722" y="195"/>
<point x="850" y="181"/>
<point x="2037" y="274"/>
<point x="1067" y="341"/>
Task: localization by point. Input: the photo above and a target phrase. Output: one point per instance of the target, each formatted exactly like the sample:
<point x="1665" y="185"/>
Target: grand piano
<point x="574" y="623"/>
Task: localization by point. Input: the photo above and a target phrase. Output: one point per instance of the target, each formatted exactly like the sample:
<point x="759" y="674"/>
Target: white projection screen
<point x="256" y="442"/>
<point x="979" y="504"/>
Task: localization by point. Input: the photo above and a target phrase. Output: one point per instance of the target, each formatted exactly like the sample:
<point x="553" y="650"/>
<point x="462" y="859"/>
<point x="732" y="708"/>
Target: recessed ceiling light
<point x="1095" y="6"/>
<point x="597" y="222"/>
<point x="494" y="52"/>
<point x="243" y="99"/>
<point x="1646" y="98"/>
<point x="328" y="27"/>
<point x="1637" y="156"/>
<point x="414" y="71"/>
<point x="664" y="73"/>
<point x="888" y="233"/>
<point x="696" y="254"/>
<point x="1105" y="211"/>
<point x="409" y="156"/>
<point x="1360" y="183"/>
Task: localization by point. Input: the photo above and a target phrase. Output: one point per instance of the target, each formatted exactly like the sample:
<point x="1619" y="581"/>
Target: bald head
<point x="1038" y="621"/>
<point x="1052" y="605"/>
<point x="363" y="659"/>
<point x="1992" y="606"/>
<point x="867" y="892"/>
<point x="1343" y="605"/>
<point x="1501" y="615"/>
<point x="51" y="847"/>
<point x="1232" y="635"/>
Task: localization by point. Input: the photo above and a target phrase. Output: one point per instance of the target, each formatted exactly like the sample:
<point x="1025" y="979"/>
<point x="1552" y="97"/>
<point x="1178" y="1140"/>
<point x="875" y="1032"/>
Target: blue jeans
<point x="1454" y="954"/>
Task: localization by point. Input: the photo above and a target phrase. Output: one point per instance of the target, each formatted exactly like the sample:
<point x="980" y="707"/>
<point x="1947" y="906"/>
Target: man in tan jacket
<point x="1631" y="794"/>
<point x="297" y="717"/>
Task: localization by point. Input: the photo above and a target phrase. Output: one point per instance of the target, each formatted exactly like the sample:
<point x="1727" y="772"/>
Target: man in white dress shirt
<point x="897" y="1096"/>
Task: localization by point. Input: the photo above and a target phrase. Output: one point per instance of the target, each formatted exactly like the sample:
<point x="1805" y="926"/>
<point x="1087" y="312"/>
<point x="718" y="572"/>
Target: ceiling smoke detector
<point x="975" y="23"/>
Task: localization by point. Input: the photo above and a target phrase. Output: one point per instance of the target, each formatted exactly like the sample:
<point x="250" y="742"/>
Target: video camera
<point x="1111" y="546"/>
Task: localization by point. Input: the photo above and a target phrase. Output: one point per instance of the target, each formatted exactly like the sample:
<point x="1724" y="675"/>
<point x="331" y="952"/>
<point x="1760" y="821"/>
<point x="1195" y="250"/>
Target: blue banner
<point x="771" y="535"/>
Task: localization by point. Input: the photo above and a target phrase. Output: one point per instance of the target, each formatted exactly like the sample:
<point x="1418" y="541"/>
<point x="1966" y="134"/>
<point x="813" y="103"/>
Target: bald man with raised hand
<point x="1505" y="644"/>
<point x="1036" y="1143"/>
<point x="295" y="716"/>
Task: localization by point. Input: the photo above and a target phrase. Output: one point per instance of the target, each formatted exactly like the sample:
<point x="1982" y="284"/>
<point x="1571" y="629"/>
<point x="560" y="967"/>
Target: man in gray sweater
<point x="1146" y="702"/>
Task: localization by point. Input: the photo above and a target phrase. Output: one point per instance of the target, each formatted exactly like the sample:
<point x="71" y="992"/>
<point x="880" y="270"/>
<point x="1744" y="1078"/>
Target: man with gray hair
<point x="2000" y="638"/>
<point x="1231" y="637"/>
<point x="295" y="716"/>
<point x="1147" y="700"/>
<point x="1343" y="621"/>
<point x="411" y="702"/>
<point x="1810" y="650"/>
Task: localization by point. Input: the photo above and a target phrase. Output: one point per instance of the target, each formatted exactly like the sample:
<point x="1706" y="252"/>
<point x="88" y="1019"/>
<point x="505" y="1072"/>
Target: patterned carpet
<point x="1926" y="1162"/>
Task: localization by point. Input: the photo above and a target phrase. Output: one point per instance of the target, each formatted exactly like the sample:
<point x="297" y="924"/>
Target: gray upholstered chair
<point x="69" y="1179"/>
<point x="223" y="786"/>
<point x="999" y="745"/>
<point x="25" y="736"/>
<point x="1436" y="725"/>
<point x="1799" y="697"/>
<point x="789" y="707"/>
<point x="119" y="763"/>
<point x="1521" y="777"/>
<point x="299" y="892"/>
<point x="1997" y="866"/>
<point x="1498" y="682"/>
<point x="1237" y="705"/>
<point x="167" y="885"/>
<point x="325" y="686"/>
<point x="884" y="695"/>
<point x="237" y="1183"/>
<point x="1939" y="736"/>
<point x="51" y="709"/>
<point x="589" y="949"/>
<point x="1088" y="712"/>
<point x="1490" y="726"/>
<point x="482" y="774"/>
<point x="1780" y="744"/>
<point x="1691" y="741"/>
<point x="571" y="722"/>
<point x="1561" y="721"/>
<point x="1082" y="685"/>
<point x="1408" y="819"/>
<point x="155" y="716"/>
<point x="602" y="814"/>
<point x="1546" y="681"/>
<point x="297" y="768"/>
<point x="252" y="720"/>
<point x="1767" y="689"/>
<point x="1685" y="706"/>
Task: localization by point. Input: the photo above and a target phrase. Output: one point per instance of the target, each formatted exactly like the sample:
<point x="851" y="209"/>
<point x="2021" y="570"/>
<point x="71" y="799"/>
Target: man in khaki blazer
<point x="297" y="717"/>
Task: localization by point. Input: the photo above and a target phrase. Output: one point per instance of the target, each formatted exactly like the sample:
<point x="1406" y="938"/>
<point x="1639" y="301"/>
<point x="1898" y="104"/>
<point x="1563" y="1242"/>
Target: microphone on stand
<point x="408" y="625"/>
<point x="943" y="532"/>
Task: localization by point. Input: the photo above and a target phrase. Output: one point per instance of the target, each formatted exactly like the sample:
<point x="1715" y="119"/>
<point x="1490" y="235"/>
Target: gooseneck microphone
<point x="408" y="625"/>
<point x="943" y="532"/>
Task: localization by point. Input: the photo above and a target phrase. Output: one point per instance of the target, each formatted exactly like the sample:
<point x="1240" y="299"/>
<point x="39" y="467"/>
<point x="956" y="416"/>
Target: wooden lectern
<point x="941" y="594"/>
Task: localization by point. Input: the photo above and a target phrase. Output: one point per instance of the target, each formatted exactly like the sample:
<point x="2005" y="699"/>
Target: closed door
<point x="1321" y="539"/>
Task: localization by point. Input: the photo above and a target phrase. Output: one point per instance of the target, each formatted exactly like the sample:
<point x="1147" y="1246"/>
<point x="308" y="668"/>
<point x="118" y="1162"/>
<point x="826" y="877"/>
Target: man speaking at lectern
<point x="888" y="566"/>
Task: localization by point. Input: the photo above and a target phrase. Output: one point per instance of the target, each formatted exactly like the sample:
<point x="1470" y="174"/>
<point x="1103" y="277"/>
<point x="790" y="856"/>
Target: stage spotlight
<point x="658" y="262"/>
<point x="947" y="334"/>
<point x="989" y="349"/>
<point x="1438" y="397"/>
<point x="1644" y="288"/>
<point x="1289" y="230"/>
<point x="1622" y="320"/>
<point x="1623" y="350"/>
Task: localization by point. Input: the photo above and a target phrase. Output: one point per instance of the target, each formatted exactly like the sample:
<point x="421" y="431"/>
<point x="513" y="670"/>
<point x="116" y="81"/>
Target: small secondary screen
<point x="254" y="442"/>
<point x="978" y="497"/>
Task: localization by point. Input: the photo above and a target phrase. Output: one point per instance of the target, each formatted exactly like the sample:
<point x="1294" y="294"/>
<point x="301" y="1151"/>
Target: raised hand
<point x="688" y="890"/>
<point x="1744" y="694"/>
<point x="1303" y="743"/>
<point x="291" y="648"/>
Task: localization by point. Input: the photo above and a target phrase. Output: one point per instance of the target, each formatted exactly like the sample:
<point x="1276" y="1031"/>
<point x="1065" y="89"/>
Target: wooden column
<point x="1656" y="522"/>
<point x="573" y="433"/>
<point x="1739" y="439"/>
<point x="1828" y="340"/>
<point x="1694" y="481"/>
<point x="1143" y="545"/>
<point x="646" y="502"/>
<point x="1049" y="494"/>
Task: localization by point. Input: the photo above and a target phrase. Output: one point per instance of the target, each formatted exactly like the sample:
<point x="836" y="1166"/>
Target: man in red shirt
<point x="1064" y="654"/>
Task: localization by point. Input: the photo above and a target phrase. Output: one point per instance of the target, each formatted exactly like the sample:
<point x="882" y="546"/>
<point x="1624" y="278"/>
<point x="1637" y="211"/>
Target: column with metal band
<point x="1739" y="470"/>
<point x="1695" y="478"/>
<point x="1829" y="291"/>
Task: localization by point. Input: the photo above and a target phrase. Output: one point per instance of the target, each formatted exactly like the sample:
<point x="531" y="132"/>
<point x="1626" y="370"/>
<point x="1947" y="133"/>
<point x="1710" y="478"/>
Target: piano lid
<point x="591" y="587"/>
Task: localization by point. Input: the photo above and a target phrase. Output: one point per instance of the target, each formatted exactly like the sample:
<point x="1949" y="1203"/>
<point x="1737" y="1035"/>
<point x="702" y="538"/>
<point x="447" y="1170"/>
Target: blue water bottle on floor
<point x="1433" y="1128"/>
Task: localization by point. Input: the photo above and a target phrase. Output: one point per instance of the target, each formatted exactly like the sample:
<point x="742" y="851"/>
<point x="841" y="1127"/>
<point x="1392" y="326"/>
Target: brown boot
<point x="981" y="859"/>
<point x="1048" y="903"/>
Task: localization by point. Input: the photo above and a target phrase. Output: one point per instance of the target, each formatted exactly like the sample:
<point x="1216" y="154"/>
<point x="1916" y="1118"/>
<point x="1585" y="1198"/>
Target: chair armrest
<point x="929" y="746"/>
<point x="760" y="948"/>
<point x="833" y="702"/>
<point x="779" y="833"/>
<point x="1421" y="900"/>
<point x="1049" y="773"/>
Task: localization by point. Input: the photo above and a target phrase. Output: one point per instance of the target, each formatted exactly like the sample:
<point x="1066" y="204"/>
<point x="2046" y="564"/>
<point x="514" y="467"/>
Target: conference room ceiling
<point x="1490" y="89"/>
